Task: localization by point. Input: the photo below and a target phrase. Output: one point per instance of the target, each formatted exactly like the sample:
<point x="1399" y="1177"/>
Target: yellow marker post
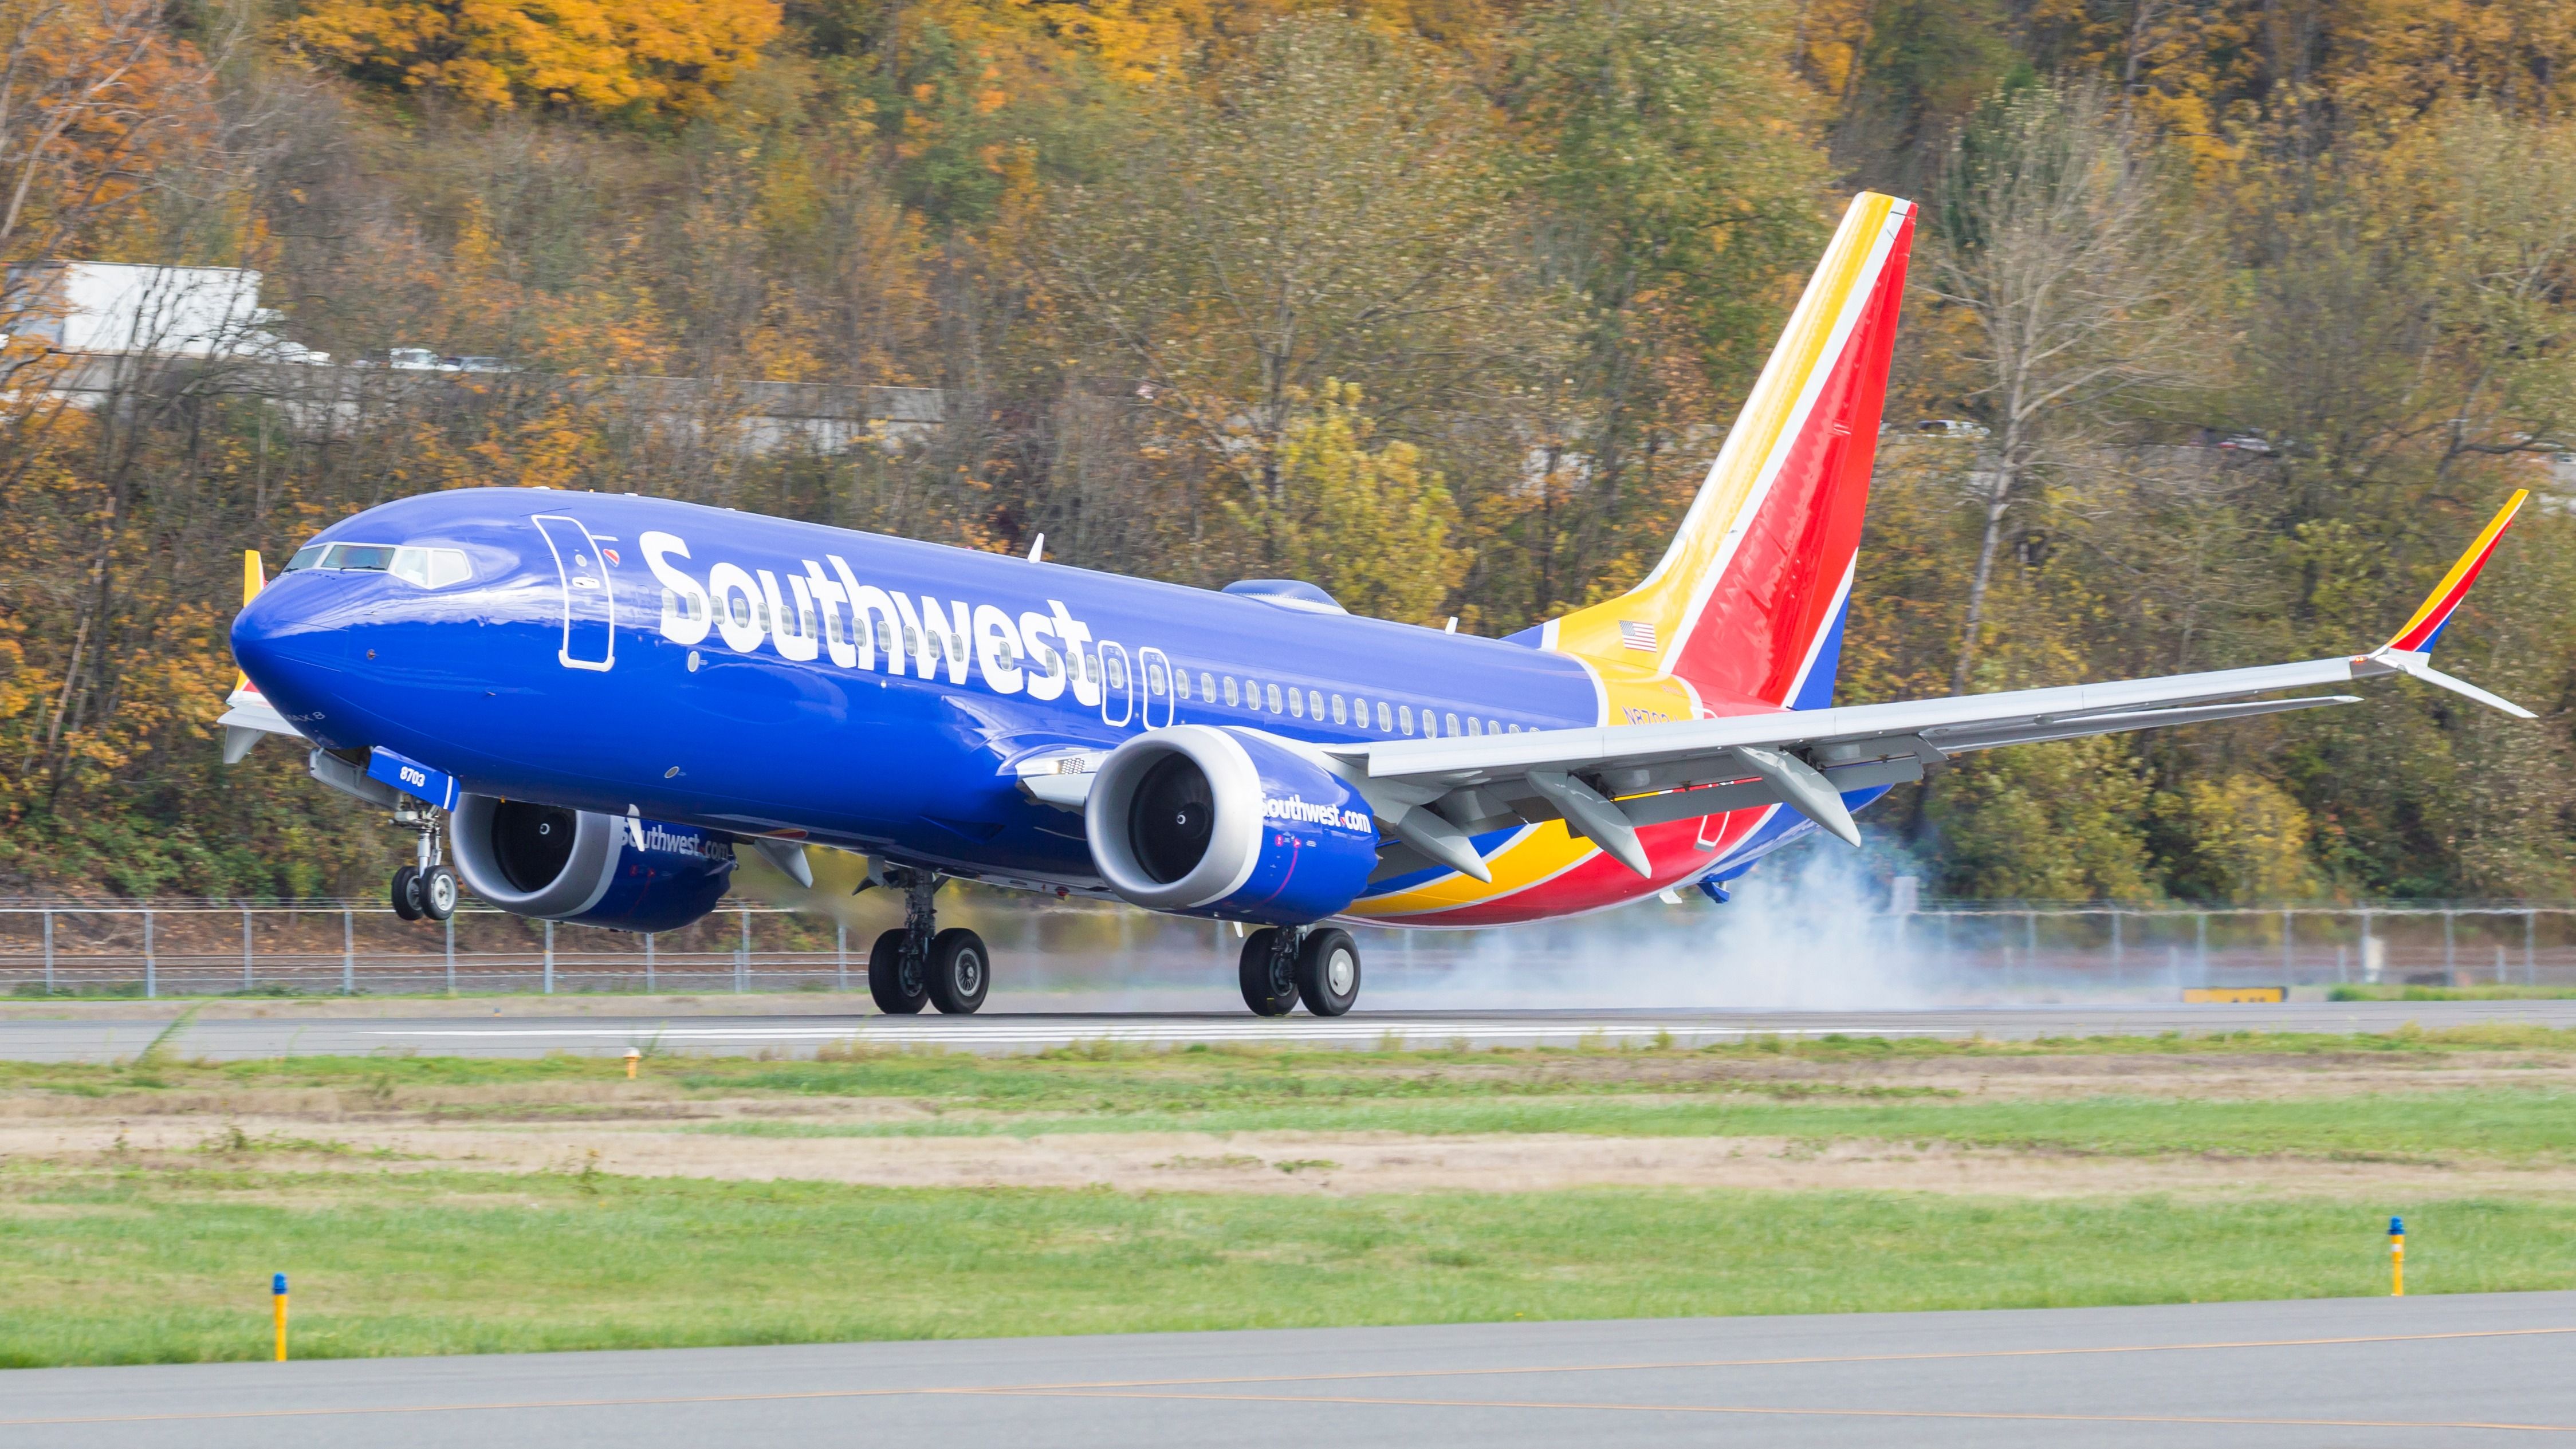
<point x="633" y="1057"/>
<point x="277" y="1293"/>
<point x="2396" y="1257"/>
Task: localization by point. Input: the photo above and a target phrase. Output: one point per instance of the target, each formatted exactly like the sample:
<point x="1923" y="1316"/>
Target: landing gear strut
<point x="426" y="887"/>
<point x="1281" y="966"/>
<point x="922" y="965"/>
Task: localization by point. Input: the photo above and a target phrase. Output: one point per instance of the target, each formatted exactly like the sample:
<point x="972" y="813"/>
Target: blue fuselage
<point x="722" y="669"/>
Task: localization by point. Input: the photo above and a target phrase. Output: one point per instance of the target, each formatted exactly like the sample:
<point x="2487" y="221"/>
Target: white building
<point x="117" y="309"/>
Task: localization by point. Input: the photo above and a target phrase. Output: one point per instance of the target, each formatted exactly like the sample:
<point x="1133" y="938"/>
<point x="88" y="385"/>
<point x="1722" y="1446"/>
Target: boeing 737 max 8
<point x="586" y="700"/>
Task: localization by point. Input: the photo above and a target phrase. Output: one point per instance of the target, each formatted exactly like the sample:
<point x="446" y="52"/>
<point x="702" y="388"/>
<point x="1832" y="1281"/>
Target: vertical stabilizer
<point x="1747" y="604"/>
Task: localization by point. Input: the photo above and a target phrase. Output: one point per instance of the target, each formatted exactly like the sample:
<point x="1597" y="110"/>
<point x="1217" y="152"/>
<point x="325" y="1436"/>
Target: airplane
<point x="587" y="700"/>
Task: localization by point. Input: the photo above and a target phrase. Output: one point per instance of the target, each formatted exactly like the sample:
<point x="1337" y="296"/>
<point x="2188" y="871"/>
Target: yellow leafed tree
<point x="598" y="55"/>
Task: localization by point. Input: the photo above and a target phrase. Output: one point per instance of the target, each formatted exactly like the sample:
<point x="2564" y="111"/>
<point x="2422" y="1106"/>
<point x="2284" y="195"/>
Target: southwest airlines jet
<point x="585" y="701"/>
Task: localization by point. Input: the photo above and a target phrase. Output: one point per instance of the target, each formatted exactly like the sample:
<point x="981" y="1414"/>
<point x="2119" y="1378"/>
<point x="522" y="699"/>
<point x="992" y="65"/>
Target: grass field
<point x="111" y="1253"/>
<point x="2510" y="1124"/>
<point x="157" y="1267"/>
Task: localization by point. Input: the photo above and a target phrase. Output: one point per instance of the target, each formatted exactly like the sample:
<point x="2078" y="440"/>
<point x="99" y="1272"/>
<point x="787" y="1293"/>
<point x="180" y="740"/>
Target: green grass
<point x="2513" y="1125"/>
<point x="138" y="1266"/>
<point x="2450" y="993"/>
<point x="1144" y="1077"/>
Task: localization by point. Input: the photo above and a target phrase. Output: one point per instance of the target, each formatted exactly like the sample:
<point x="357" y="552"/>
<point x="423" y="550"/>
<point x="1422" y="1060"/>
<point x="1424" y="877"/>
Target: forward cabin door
<point x="589" y="607"/>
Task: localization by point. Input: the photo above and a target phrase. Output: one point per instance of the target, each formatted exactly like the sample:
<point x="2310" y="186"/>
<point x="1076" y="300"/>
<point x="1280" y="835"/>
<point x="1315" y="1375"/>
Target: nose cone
<point x="283" y="644"/>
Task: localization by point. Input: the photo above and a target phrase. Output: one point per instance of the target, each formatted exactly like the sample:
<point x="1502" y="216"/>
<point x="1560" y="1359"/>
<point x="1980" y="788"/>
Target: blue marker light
<point x="278" y="1284"/>
<point x="2396" y="1229"/>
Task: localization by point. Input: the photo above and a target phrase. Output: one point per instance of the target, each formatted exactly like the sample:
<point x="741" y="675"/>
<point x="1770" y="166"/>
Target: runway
<point x="2467" y="1369"/>
<point x="335" y="1029"/>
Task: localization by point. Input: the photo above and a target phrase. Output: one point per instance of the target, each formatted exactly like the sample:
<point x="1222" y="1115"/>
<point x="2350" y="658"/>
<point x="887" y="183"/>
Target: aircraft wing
<point x="1606" y="782"/>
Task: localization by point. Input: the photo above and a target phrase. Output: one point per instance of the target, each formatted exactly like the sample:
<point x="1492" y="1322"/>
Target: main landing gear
<point x="920" y="963"/>
<point x="1319" y="965"/>
<point x="426" y="887"/>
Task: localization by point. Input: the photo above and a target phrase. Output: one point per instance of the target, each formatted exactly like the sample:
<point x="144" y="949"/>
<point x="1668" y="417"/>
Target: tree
<point x="605" y="56"/>
<point x="2047" y="235"/>
<point x="1333" y="209"/>
<point x="1372" y="527"/>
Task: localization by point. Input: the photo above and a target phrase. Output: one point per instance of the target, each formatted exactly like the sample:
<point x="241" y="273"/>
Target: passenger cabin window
<point x="1340" y="711"/>
<point x="1230" y="695"/>
<point x="1453" y="726"/>
<point x="1117" y="672"/>
<point x="1207" y="687"/>
<point x="1315" y="704"/>
<point x="1385" y="726"/>
<point x="1273" y="693"/>
<point x="1154" y="680"/>
<point x="1404" y="717"/>
<point x="1181" y="683"/>
<point x="1297" y="703"/>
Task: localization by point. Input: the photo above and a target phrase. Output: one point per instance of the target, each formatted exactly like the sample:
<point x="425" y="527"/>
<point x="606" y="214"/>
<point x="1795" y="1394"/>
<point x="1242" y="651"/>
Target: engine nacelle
<point x="590" y="869"/>
<point x="1229" y="823"/>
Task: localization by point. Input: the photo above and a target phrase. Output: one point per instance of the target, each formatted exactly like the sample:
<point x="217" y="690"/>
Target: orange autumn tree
<point x="604" y="56"/>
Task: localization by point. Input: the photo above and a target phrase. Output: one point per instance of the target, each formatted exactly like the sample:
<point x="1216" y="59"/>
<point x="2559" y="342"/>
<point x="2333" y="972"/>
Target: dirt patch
<point x="1249" y="1162"/>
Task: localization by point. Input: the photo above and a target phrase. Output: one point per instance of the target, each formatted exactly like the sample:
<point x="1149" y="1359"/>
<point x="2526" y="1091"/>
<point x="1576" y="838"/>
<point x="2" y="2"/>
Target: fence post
<point x="742" y="956"/>
<point x="2367" y="974"/>
<point x="246" y="950"/>
<point x="550" y="958"/>
<point x="450" y="923"/>
<point x="348" y="952"/>
<point x="841" y="956"/>
<point x="2530" y="952"/>
<point x="2450" y="957"/>
<point x="151" y="967"/>
<point x="2200" y="946"/>
<point x="49" y="953"/>
<point x="2288" y="966"/>
<point x="2119" y="947"/>
<point x="648" y="962"/>
<point x="2030" y="944"/>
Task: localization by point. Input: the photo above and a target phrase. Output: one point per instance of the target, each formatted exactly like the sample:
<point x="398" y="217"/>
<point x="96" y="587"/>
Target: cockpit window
<point x="431" y="568"/>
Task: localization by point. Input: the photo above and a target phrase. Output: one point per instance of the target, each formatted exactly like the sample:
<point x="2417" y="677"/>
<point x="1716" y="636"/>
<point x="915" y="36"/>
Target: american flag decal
<point x="1637" y="634"/>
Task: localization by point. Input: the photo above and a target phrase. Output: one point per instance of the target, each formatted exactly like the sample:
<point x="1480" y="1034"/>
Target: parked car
<point x="1952" y="428"/>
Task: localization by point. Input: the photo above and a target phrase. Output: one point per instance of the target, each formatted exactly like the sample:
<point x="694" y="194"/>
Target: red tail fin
<point x="1747" y="605"/>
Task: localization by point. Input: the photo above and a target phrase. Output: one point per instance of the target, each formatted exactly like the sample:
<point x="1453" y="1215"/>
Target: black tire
<point x="894" y="995"/>
<point x="1269" y="985"/>
<point x="439" y="893"/>
<point x="1328" y="971"/>
<point x="406" y="893"/>
<point x="961" y="971"/>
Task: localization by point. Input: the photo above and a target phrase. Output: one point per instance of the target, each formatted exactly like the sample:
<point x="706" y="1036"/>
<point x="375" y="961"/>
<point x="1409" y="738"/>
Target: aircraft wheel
<point x="438" y="893"/>
<point x="887" y="980"/>
<point x="1328" y="971"/>
<point x="1269" y="981"/>
<point x="961" y="970"/>
<point x="406" y="893"/>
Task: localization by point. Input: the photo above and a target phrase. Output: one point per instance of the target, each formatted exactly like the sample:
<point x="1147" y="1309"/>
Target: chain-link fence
<point x="1990" y="949"/>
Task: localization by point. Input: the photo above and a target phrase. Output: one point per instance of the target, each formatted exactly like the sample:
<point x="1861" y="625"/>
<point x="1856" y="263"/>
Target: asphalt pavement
<point x="514" y="1031"/>
<point x="2352" y="1373"/>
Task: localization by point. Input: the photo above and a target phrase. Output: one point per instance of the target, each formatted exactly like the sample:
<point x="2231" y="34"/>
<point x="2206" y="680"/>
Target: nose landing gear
<point x="921" y="965"/>
<point x="425" y="888"/>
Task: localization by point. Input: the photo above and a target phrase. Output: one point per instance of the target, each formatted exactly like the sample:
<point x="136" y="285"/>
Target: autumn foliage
<point x="1443" y="304"/>
<point x="604" y="56"/>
